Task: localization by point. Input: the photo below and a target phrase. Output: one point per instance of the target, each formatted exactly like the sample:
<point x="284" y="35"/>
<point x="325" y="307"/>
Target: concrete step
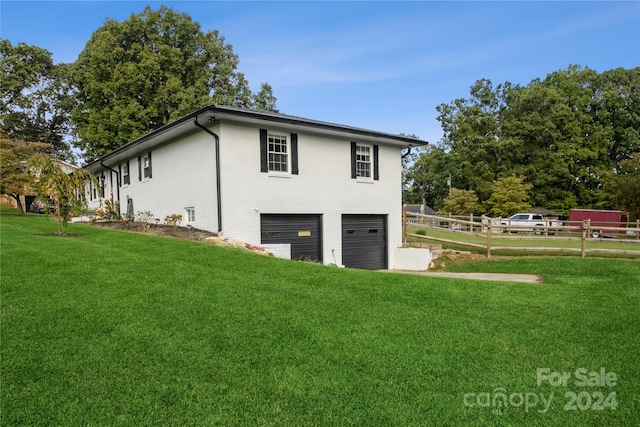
<point x="425" y="245"/>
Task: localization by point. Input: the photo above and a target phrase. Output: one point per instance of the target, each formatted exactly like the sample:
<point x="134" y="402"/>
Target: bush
<point x="173" y="219"/>
<point x="144" y="216"/>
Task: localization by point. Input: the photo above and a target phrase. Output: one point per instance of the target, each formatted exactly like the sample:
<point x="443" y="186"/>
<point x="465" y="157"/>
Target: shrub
<point x="173" y="219"/>
<point x="144" y="216"/>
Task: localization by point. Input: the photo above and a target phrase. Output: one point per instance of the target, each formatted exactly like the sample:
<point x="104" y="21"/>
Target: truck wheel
<point x="537" y="231"/>
<point x="595" y="234"/>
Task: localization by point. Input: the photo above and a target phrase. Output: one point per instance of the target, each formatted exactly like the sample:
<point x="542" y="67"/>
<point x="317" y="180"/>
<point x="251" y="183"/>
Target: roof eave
<point x="259" y="115"/>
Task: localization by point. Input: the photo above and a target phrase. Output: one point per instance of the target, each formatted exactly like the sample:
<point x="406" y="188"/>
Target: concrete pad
<point x="495" y="277"/>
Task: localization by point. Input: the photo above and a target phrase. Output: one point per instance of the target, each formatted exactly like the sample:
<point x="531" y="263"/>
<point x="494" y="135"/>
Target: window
<point x="190" y="215"/>
<point x="126" y="178"/>
<point x="144" y="166"/>
<point x="102" y="186"/>
<point x="364" y="161"/>
<point x="278" y="152"/>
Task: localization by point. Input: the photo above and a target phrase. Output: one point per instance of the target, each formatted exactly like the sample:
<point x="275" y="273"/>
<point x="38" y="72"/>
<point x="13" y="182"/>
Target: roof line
<point x="257" y="114"/>
<point x="147" y="137"/>
<point x="301" y="121"/>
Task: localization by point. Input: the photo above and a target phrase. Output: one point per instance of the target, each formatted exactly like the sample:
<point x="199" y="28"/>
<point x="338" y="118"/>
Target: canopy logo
<point x="585" y="399"/>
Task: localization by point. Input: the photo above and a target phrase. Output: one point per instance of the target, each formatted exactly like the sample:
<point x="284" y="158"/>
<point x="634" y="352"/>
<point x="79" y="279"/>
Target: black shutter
<point x="139" y="168"/>
<point x="264" y="165"/>
<point x="353" y="161"/>
<point x="376" y="176"/>
<point x="150" y="175"/>
<point x="294" y="153"/>
<point x="119" y="175"/>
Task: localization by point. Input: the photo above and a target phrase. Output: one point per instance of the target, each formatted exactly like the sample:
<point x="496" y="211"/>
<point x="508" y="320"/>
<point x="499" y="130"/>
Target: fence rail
<point x="487" y="228"/>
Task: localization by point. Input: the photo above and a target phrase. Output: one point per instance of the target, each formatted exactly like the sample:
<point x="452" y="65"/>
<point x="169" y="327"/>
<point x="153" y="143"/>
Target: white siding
<point x="184" y="176"/>
<point x="323" y="186"/>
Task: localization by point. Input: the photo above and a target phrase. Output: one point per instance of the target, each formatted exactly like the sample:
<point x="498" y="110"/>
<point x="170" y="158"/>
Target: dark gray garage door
<point x="303" y="232"/>
<point x="364" y="241"/>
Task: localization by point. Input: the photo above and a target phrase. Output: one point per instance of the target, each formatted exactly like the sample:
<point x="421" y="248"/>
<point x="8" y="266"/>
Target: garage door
<point x="364" y="241"/>
<point x="302" y="232"/>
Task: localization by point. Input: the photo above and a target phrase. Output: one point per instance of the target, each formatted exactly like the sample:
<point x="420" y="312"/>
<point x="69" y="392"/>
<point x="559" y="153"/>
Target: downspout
<point x="117" y="180"/>
<point x="218" y="190"/>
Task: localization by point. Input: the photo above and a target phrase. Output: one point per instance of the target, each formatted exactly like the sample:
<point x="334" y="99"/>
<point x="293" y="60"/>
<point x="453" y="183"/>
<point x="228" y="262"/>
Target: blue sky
<point x="378" y="65"/>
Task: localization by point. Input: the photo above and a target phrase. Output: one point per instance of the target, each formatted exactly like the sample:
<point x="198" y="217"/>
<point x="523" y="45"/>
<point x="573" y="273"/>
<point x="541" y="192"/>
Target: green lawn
<point x="111" y="328"/>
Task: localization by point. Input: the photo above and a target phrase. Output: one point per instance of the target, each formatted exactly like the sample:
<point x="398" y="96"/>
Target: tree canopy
<point x="36" y="97"/>
<point x="140" y="74"/>
<point x="508" y="196"/>
<point x="563" y="135"/>
<point x="621" y="189"/>
<point x="15" y="179"/>
<point x="66" y="190"/>
<point x="461" y="202"/>
<point x="132" y="77"/>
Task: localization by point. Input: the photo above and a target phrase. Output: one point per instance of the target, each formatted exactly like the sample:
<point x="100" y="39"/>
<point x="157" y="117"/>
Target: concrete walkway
<point x="495" y="277"/>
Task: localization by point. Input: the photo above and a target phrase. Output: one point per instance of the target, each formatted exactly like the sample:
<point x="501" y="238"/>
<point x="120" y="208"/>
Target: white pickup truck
<point x="523" y="222"/>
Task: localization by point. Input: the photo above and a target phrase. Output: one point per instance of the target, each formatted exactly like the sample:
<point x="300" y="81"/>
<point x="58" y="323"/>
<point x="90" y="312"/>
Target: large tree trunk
<point x="18" y="203"/>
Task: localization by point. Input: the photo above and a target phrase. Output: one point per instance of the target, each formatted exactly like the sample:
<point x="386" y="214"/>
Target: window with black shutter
<point x="126" y="177"/>
<point x="364" y="162"/>
<point x="146" y="166"/>
<point x="278" y="153"/>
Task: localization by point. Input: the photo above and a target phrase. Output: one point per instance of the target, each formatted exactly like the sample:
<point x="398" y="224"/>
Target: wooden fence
<point x="492" y="228"/>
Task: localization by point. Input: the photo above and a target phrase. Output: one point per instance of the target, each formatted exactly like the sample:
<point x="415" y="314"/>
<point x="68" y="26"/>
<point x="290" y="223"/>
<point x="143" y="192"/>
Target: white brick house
<point x="332" y="192"/>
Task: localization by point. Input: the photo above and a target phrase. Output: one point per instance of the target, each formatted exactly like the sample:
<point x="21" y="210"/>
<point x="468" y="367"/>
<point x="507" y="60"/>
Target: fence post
<point x="586" y="225"/>
<point x="404" y="223"/>
<point x="489" y="239"/>
<point x="450" y="223"/>
<point x="471" y="221"/>
<point x="638" y="226"/>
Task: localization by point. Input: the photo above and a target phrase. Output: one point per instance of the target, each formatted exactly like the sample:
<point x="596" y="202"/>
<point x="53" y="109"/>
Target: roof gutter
<point x="218" y="189"/>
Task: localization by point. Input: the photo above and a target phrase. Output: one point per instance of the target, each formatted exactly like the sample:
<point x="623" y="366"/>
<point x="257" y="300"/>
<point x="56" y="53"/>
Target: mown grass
<point x="113" y="328"/>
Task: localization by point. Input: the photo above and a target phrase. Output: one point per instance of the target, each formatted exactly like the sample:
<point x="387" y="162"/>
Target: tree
<point x="425" y="180"/>
<point x="474" y="135"/>
<point x="15" y="180"/>
<point x="66" y="190"/>
<point x="615" y="108"/>
<point x="264" y="99"/>
<point x="36" y="97"/>
<point x="549" y="134"/>
<point x="140" y="74"/>
<point x="621" y="189"/>
<point x="562" y="134"/>
<point x="461" y="202"/>
<point x="509" y="195"/>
